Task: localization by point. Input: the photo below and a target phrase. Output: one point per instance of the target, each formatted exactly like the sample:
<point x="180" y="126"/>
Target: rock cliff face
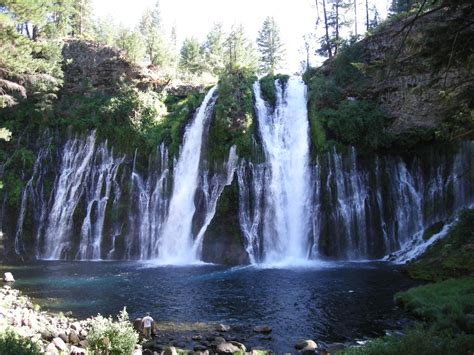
<point x="418" y="69"/>
<point x="409" y="86"/>
<point x="92" y="66"/>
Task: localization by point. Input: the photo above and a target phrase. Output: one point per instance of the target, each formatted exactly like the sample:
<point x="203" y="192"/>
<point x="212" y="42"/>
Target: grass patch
<point x="448" y="303"/>
<point x="419" y="341"/>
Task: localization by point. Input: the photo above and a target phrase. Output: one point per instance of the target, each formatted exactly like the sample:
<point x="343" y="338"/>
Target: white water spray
<point x="176" y="243"/>
<point x="287" y="198"/>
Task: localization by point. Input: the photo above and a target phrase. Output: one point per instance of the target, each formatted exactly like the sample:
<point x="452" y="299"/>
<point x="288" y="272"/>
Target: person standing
<point x="147" y="322"/>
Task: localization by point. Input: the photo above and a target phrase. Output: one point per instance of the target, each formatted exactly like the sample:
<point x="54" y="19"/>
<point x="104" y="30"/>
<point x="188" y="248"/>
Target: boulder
<point x="60" y="344"/>
<point x="51" y="349"/>
<point x="76" y="326"/>
<point x="306" y="344"/>
<point x="239" y="345"/>
<point x="64" y="337"/>
<point x="170" y="351"/>
<point x="137" y="324"/>
<point x="8" y="277"/>
<point x="77" y="351"/>
<point x="223" y="328"/>
<point x="84" y="344"/>
<point x="264" y="329"/>
<point x="227" y="348"/>
<point x="74" y="338"/>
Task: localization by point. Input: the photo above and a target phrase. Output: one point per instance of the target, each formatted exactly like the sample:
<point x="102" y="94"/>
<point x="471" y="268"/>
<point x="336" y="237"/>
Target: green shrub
<point x="267" y="86"/>
<point x="113" y="338"/>
<point x="234" y="116"/>
<point x="357" y="122"/>
<point x="11" y="343"/>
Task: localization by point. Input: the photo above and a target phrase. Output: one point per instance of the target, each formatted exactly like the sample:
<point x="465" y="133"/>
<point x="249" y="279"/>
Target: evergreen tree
<point x="131" y="44"/>
<point x="191" y="56"/>
<point x="82" y="18"/>
<point x="157" y="49"/>
<point x="270" y="47"/>
<point x="214" y="50"/>
<point x="238" y="51"/>
<point x="334" y="22"/>
<point x="105" y="31"/>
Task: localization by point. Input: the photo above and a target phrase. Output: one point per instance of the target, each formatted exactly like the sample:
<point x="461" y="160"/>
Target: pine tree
<point x="270" y="47"/>
<point x="238" y="51"/>
<point x="214" y="49"/>
<point x="191" y="56"/>
<point x="157" y="49"/>
<point x="131" y="44"/>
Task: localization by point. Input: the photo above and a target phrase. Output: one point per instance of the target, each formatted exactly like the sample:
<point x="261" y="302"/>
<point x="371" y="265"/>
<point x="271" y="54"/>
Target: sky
<point x="195" y="18"/>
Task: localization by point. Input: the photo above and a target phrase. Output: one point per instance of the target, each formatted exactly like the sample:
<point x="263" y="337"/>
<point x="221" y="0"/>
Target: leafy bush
<point x="357" y="122"/>
<point x="170" y="129"/>
<point x="11" y="343"/>
<point x="234" y="116"/>
<point x="267" y="86"/>
<point x="113" y="338"/>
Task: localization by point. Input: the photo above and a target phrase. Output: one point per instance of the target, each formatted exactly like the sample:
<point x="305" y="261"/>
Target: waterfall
<point x="68" y="188"/>
<point x="147" y="213"/>
<point x="97" y="193"/>
<point x="176" y="243"/>
<point x="284" y="132"/>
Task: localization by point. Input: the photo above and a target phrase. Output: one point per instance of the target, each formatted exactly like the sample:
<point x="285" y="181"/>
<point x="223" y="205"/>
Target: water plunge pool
<point x="328" y="302"/>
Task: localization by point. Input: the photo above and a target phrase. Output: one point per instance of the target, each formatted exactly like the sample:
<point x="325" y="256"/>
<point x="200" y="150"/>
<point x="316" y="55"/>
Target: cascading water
<point x="83" y="202"/>
<point x="68" y="188"/>
<point x="285" y="137"/>
<point x="176" y="243"/>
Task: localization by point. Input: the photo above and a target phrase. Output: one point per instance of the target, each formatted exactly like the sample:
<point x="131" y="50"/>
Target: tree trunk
<point x="367" y="15"/>
<point x="336" y="45"/>
<point x="355" y="17"/>
<point x="328" y="43"/>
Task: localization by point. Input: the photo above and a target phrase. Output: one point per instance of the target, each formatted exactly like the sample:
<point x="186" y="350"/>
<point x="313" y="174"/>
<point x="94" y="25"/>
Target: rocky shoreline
<point x="64" y="334"/>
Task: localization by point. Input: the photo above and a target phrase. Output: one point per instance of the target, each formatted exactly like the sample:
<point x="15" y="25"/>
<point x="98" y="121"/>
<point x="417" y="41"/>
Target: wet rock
<point x="170" y="351"/>
<point x="206" y="352"/>
<point x="147" y="352"/>
<point x="60" y="344"/>
<point x="227" y="348"/>
<point x="264" y="329"/>
<point x="218" y="340"/>
<point x="77" y="351"/>
<point x="8" y="277"/>
<point x="223" y="328"/>
<point x="239" y="345"/>
<point x="196" y="337"/>
<point x="306" y="344"/>
<point x="308" y="352"/>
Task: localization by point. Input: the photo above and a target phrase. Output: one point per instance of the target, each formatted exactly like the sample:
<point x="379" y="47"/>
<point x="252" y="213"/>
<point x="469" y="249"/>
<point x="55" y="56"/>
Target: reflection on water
<point x="324" y="301"/>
